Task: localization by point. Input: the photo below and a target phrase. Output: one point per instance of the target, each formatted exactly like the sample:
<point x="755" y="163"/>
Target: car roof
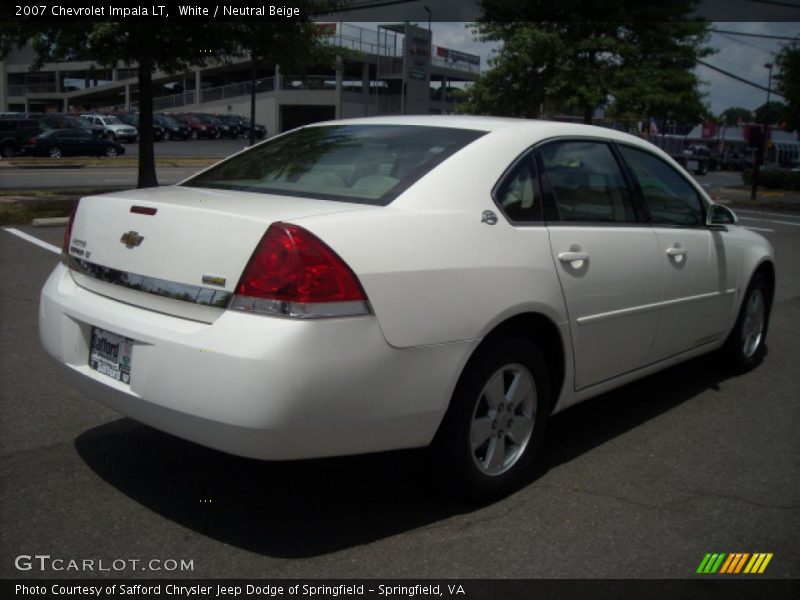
<point x="533" y="129"/>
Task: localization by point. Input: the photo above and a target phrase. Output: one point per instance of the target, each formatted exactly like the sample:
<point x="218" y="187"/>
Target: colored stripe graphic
<point x="733" y="563"/>
<point x="758" y="563"/>
<point x="711" y="563"/>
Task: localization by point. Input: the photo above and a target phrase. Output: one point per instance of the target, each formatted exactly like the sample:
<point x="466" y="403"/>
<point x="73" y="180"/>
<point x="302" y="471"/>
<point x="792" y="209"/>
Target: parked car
<point x="173" y="130"/>
<point x="197" y="129"/>
<point x="14" y="132"/>
<point x="234" y="122"/>
<point x="132" y="119"/>
<point x="373" y="284"/>
<point x="699" y="160"/>
<point x="224" y="130"/>
<point x="70" y="142"/>
<point x="261" y="130"/>
<point x="109" y="127"/>
<point x="58" y="121"/>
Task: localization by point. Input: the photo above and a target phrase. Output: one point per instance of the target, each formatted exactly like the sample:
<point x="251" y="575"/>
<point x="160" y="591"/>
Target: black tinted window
<point x="370" y="164"/>
<point x="587" y="182"/>
<point x="518" y="193"/>
<point x="669" y="197"/>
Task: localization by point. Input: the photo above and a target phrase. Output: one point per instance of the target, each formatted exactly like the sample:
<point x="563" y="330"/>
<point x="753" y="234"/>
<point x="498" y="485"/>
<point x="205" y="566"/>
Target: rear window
<point x="368" y="164"/>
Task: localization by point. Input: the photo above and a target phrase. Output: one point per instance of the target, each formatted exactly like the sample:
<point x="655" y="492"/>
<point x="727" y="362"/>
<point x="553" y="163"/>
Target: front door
<point x="608" y="261"/>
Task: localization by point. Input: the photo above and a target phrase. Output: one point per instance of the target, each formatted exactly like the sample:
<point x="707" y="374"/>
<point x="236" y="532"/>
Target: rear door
<point x="607" y="258"/>
<point x="698" y="267"/>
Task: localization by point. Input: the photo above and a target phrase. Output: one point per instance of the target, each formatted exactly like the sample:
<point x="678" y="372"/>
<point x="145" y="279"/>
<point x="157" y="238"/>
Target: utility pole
<point x="758" y="158"/>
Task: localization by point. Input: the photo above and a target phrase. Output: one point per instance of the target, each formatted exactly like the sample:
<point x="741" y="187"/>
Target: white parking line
<point x="33" y="240"/>
<point x="758" y="228"/>
<point x="795" y="223"/>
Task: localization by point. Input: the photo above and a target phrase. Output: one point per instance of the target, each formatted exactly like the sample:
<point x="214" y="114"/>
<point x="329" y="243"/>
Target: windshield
<point x="369" y="164"/>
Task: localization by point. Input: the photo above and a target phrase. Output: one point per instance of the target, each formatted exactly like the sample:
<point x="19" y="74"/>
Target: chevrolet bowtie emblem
<point x="131" y="239"/>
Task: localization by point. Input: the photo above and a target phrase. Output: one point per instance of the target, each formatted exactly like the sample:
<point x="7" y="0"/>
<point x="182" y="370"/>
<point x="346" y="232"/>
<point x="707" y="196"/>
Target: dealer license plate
<point x="110" y="354"/>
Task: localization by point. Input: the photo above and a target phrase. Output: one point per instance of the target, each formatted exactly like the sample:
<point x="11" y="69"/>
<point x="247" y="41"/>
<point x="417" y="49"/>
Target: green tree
<point x="640" y="55"/>
<point x="172" y="48"/>
<point x="787" y="82"/>
<point x="736" y="114"/>
<point x="771" y="113"/>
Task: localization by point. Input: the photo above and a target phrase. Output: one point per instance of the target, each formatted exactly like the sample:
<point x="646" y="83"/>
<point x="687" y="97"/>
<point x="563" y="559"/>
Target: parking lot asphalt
<point x="641" y="482"/>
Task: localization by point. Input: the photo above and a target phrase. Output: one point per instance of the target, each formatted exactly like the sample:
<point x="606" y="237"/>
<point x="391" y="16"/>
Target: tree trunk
<point x="588" y="113"/>
<point x="147" y="159"/>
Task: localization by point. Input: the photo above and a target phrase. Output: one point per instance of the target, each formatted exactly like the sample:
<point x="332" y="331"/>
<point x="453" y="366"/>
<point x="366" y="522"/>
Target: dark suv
<point x="14" y="132"/>
<point x="173" y="130"/>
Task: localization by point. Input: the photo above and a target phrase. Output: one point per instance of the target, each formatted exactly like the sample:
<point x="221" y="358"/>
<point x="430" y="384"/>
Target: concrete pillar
<point x="127" y="97"/>
<point x="365" y="87"/>
<point x="339" y="76"/>
<point x="65" y="107"/>
<point x="198" y="81"/>
<point x="278" y="82"/>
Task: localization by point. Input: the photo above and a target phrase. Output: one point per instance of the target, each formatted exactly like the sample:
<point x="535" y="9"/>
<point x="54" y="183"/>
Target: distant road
<point x="12" y="178"/>
<point x="15" y="178"/>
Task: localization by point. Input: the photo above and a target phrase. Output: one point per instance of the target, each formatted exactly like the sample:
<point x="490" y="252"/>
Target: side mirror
<point x="719" y="214"/>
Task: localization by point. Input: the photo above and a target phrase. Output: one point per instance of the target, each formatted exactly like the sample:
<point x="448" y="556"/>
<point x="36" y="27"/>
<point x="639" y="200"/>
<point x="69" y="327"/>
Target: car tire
<point x="166" y="136"/>
<point x="111" y="137"/>
<point x="746" y="345"/>
<point x="487" y="442"/>
<point x="7" y="151"/>
<point x="54" y="152"/>
<point x="111" y="152"/>
<point x="195" y="135"/>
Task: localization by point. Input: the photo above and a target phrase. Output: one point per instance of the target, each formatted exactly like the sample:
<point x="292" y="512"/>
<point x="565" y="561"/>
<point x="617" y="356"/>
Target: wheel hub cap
<point x="508" y="398"/>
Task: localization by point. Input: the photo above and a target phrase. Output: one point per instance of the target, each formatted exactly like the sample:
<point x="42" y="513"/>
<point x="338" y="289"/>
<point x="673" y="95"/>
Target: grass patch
<point x="22" y="213"/>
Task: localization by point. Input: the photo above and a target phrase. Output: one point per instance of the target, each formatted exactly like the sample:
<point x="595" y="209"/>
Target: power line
<point x="741" y="79"/>
<point x="733" y="39"/>
<point x="756" y="35"/>
<point x="372" y="4"/>
<point x="777" y="3"/>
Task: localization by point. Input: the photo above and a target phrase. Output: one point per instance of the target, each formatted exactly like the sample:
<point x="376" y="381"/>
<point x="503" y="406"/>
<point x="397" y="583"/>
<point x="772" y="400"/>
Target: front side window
<point x="518" y="193"/>
<point x="669" y="197"/>
<point x="368" y="164"/>
<point x="587" y="182"/>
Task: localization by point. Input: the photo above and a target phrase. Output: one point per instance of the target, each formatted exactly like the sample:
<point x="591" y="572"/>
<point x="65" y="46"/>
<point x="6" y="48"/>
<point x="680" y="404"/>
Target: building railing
<point x="20" y="89"/>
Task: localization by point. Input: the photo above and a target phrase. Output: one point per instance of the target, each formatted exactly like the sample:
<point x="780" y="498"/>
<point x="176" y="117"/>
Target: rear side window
<point x="517" y="195"/>
<point x="587" y="182"/>
<point x="669" y="197"/>
<point x="368" y="164"/>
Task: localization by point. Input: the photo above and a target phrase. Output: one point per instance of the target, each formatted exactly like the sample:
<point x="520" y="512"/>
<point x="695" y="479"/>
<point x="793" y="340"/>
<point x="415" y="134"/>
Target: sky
<point x="743" y="56"/>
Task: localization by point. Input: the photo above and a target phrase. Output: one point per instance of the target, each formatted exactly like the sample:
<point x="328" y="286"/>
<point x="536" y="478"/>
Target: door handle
<point x="676" y="251"/>
<point x="572" y="256"/>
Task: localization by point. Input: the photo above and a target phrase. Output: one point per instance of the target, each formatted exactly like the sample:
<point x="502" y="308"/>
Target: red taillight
<point x="68" y="233"/>
<point x="292" y="272"/>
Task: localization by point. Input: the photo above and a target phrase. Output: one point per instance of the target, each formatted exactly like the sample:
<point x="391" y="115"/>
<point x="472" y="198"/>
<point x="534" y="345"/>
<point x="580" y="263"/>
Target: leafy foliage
<point x="638" y="55"/>
<point x="772" y="113"/>
<point x="787" y="81"/>
<point x="734" y="115"/>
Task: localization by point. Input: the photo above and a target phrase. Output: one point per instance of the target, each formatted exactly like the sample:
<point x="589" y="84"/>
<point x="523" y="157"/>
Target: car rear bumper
<point x="262" y="387"/>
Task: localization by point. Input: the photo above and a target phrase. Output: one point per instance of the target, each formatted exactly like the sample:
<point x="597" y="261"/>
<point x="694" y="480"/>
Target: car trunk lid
<point x="178" y="250"/>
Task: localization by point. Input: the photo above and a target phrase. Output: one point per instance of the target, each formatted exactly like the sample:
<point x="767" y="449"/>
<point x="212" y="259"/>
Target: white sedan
<point x="373" y="284"/>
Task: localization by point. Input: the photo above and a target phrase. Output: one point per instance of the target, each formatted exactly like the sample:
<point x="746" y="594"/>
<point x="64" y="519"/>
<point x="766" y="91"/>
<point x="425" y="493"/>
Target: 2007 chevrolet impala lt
<point x="373" y="284"/>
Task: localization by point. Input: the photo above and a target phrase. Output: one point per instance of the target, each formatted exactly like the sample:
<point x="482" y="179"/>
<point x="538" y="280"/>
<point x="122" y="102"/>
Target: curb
<point x="51" y="222"/>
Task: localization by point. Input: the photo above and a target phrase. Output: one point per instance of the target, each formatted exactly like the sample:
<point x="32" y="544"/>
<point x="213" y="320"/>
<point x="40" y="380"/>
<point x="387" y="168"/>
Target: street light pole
<point x="768" y="66"/>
